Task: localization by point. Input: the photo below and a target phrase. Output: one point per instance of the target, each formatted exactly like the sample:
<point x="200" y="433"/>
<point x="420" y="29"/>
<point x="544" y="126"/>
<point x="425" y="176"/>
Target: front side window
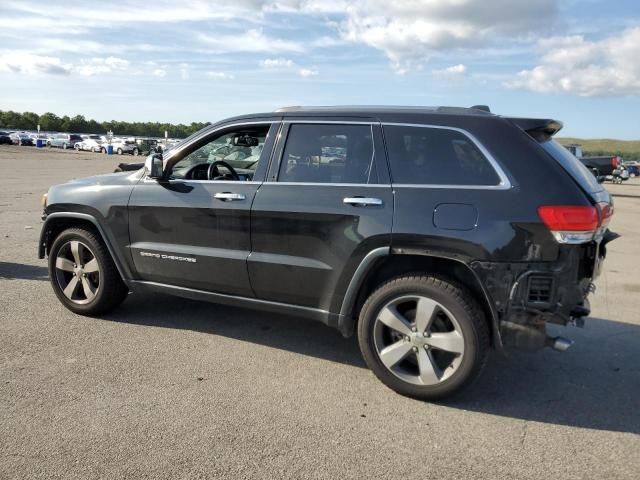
<point x="239" y="149"/>
<point x="436" y="156"/>
<point x="316" y="153"/>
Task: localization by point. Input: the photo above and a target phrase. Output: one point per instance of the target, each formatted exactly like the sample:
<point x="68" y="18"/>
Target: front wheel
<point x="136" y="152"/>
<point x="119" y="151"/>
<point x="82" y="273"/>
<point x="423" y="336"/>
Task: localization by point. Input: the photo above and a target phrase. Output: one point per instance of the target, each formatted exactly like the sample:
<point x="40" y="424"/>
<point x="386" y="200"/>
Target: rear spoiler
<point x="541" y="129"/>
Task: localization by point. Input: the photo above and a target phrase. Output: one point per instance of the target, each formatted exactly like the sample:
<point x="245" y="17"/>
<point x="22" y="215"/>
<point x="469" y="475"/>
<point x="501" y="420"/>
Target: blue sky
<point x="195" y="60"/>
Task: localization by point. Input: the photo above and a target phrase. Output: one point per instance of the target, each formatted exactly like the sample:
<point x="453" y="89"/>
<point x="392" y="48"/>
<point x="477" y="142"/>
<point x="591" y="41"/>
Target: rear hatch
<point x="557" y="218"/>
<point x="543" y="130"/>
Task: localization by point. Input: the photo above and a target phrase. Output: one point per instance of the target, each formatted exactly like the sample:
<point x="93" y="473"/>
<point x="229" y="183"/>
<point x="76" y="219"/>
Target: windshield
<point x="573" y="166"/>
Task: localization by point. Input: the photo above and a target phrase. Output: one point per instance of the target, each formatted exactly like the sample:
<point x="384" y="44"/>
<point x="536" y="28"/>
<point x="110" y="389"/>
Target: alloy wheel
<point x="418" y="340"/>
<point x="77" y="272"/>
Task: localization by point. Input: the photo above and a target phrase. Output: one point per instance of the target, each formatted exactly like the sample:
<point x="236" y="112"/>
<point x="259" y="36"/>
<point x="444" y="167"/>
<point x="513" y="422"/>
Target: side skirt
<point x="255" y="303"/>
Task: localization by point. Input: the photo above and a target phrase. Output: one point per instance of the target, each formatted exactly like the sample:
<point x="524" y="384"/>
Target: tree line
<point x="50" y="122"/>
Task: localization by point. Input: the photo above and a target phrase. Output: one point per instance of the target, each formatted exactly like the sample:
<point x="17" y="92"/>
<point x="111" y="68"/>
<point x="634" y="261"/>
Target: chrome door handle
<point x="228" y="196"/>
<point x="362" y="201"/>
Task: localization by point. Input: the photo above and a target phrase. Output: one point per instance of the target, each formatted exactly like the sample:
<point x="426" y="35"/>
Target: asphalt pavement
<point x="171" y="388"/>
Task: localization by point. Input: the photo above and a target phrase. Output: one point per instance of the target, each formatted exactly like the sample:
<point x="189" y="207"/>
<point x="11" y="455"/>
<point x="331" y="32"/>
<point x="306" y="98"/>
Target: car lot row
<point x="88" y="142"/>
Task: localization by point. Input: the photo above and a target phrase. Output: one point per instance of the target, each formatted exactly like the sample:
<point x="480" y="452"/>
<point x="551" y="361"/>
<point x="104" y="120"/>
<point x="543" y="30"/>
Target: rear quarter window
<point x="436" y="156"/>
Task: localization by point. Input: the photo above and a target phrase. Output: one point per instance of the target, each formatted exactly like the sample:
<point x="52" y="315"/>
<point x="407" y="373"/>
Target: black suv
<point x="435" y="234"/>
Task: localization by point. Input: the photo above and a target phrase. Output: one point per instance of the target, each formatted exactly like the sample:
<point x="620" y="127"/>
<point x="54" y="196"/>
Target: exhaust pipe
<point x="561" y="344"/>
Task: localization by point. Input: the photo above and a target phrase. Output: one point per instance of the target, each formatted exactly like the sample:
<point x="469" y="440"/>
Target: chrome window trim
<point x="504" y="183"/>
<point x="309" y="184"/>
<point x="147" y="179"/>
<point x="290" y="121"/>
<point x="333" y="184"/>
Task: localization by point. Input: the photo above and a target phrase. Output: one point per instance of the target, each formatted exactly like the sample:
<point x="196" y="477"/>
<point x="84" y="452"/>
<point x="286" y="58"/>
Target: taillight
<point x="614" y="161"/>
<point x="571" y="224"/>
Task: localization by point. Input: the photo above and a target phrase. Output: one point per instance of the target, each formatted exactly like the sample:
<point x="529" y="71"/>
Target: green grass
<point x="627" y="149"/>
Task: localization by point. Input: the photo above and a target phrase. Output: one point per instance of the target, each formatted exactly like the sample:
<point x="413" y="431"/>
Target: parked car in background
<point x="92" y="143"/>
<point x="5" y="138"/>
<point x="131" y="146"/>
<point x="599" y="166"/>
<point x="21" y="138"/>
<point x="64" y="140"/>
<point x="633" y="168"/>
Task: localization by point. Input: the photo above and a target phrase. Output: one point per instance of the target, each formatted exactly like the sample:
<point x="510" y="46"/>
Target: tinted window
<point x="328" y="154"/>
<point x="436" y="156"/>
<point x="573" y="166"/>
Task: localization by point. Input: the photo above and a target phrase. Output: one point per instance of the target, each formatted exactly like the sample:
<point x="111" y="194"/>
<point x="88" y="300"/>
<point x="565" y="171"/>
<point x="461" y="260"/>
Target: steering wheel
<point x="213" y="168"/>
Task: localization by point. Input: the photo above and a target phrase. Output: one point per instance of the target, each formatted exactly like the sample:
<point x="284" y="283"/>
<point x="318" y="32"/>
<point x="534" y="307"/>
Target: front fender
<point x="60" y="220"/>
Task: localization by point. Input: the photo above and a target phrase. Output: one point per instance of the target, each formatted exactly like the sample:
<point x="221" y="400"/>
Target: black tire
<point x="64" y="146"/>
<point x="111" y="290"/>
<point x="459" y="302"/>
<point x="119" y="151"/>
<point x="136" y="152"/>
<point x="104" y="150"/>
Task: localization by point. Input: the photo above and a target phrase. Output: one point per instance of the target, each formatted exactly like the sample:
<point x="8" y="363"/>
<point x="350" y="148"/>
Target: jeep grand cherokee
<point x="435" y="234"/>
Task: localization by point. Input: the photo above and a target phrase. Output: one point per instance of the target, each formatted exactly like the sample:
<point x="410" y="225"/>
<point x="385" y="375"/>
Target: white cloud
<point x="277" y="63"/>
<point x="29" y="64"/>
<point x="410" y="32"/>
<point x="98" y="65"/>
<point x="308" y="72"/>
<point x="587" y="68"/>
<point x="87" y="15"/>
<point x="452" y="70"/>
<point x="219" y="75"/>
<point x="159" y="72"/>
<point x="253" y="40"/>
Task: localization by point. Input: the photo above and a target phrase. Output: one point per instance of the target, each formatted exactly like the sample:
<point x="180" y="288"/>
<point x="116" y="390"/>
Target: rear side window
<point x="436" y="156"/>
<point x="573" y="166"/>
<point x="328" y="154"/>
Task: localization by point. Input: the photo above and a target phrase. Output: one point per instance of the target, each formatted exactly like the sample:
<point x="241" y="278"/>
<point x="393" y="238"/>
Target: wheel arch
<point x="57" y="222"/>
<point x="383" y="264"/>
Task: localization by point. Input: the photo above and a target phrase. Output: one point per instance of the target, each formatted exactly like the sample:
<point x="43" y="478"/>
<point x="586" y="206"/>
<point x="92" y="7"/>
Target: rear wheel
<point x="423" y="336"/>
<point x="64" y="146"/>
<point x="119" y="151"/>
<point x="136" y="152"/>
<point x="82" y="273"/>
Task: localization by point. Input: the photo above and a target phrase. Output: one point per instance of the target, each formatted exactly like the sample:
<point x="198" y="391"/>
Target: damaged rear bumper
<point x="528" y="295"/>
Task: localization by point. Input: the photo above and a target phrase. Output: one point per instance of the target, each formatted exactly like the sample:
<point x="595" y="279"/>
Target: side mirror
<point x="153" y="164"/>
